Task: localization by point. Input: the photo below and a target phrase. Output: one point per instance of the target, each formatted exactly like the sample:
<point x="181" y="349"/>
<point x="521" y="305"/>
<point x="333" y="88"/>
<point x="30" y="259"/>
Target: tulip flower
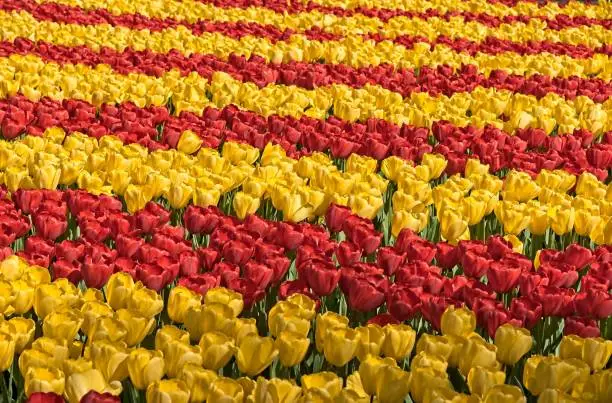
<point x="217" y="349"/>
<point x="225" y="390"/>
<point x="480" y="380"/>
<point x="179" y="301"/>
<point x="45" y="397"/>
<point x="226" y="297"/>
<point x="255" y="354"/>
<point x="435" y="345"/>
<point x="23" y="332"/>
<point x="63" y="324"/>
<point x="138" y="326"/>
<point x="327" y="382"/>
<point x="111" y="359"/>
<point x="96" y="397"/>
<point x="393" y="384"/>
<point x="42" y="379"/>
<point x="371" y="339"/>
<point x="275" y="390"/>
<point x="292" y="348"/>
<point x="596" y="352"/>
<point x="145" y="367"/>
<point x="168" y="390"/>
<point x="512" y="343"/>
<point x="178" y="354"/>
<point x="119" y="290"/>
<point x="426" y="360"/>
<point x="340" y="345"/>
<point x="325" y="322"/>
<point x="552" y="372"/>
<point x="504" y="393"/>
<point x="423" y="379"/>
<point x="168" y="334"/>
<point x="457" y="321"/>
<point x="477" y="353"/>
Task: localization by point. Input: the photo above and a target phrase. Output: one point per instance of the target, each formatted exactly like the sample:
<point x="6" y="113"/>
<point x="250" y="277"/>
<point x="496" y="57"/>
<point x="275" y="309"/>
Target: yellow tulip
<point x="480" y="380"/>
<point x="370" y="370"/>
<point x="458" y="321"/>
<point x="571" y="347"/>
<point x="240" y="152"/>
<point x="596" y="352"/>
<point x="145" y="367"/>
<point x="561" y="219"/>
<point x="7" y="296"/>
<point x="189" y="142"/>
<point x="327" y="321"/>
<point x="168" y="334"/>
<point x="416" y="221"/>
<point x="119" y="290"/>
<point x="552" y="372"/>
<point x="255" y="354"/>
<point x="512" y="343"/>
<point x="12" y="268"/>
<point x="76" y="366"/>
<point x="209" y="318"/>
<point x="434" y="345"/>
<point x="513" y="216"/>
<point x="110" y="358"/>
<point x="178" y="354"/>
<point x="107" y="328"/>
<point x="57" y="349"/>
<point x="504" y="394"/>
<point x="179" y="195"/>
<point x="393" y="384"/>
<point x="138" y="326"/>
<point x="275" y="391"/>
<point x="243" y="327"/>
<point x="63" y="324"/>
<point x="7" y="351"/>
<point x="225" y="390"/>
<point x="136" y="197"/>
<point x="204" y="197"/>
<point x="452" y="225"/>
<point x="47" y="176"/>
<point x="474" y="209"/>
<point x="426" y="378"/>
<point x="371" y="338"/>
<point x="198" y="381"/>
<point x="119" y="181"/>
<point x="47" y="298"/>
<point x="79" y="384"/>
<point x="436" y="164"/>
<point x="217" y="349"/>
<point x="225" y="296"/>
<point x="45" y="380"/>
<point x="93" y="311"/>
<point x="340" y="345"/>
<point x="399" y="341"/>
<point x="556" y="396"/>
<point x="598" y="387"/>
<point x="23" y="332"/>
<point x="145" y="301"/>
<point x="518" y="186"/>
<point x="585" y="222"/>
<point x="426" y="360"/>
<point x="179" y="301"/>
<point x="287" y="321"/>
<point x="168" y="390"/>
<point x="477" y="353"/>
<point x="292" y="348"/>
<point x="327" y="382"/>
<point x="366" y="206"/>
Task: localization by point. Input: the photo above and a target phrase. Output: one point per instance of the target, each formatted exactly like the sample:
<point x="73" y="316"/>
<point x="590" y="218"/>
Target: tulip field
<point x="309" y="201"/>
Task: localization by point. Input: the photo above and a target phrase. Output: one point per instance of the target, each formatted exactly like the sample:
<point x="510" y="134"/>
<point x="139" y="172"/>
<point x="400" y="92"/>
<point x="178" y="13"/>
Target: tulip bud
<point x="371" y="339"/>
<point x="458" y="321"/>
<point x="512" y="343"/>
<point x="255" y="354"/>
<point x="168" y="390"/>
<point x="23" y="332"/>
<point x="327" y="321"/>
<point x="189" y="142"/>
<point x="434" y="345"/>
<point x="119" y="290"/>
<point x="138" y="326"/>
<point x="480" y="380"/>
<point x="477" y="353"/>
<point x="107" y="328"/>
<point x="226" y="297"/>
<point x="217" y="349"/>
<point x="426" y="378"/>
<point x="179" y="354"/>
<point x="596" y="352"/>
<point x="393" y="384"/>
<point x="369" y="372"/>
<point x="244" y="204"/>
<point x="145" y="301"/>
<point x="41" y="379"/>
<point x="111" y="359"/>
<point x="399" y="341"/>
<point x="426" y="360"/>
<point x="145" y="367"/>
<point x="198" y="381"/>
<point x="168" y="334"/>
<point x="340" y="345"/>
<point x="292" y="348"/>
<point x="7" y="351"/>
<point x="328" y="382"/>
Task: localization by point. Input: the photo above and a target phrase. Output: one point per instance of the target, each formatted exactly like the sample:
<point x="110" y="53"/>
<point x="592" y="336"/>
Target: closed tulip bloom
<point x="370" y="369"/>
<point x="168" y="334"/>
<point x="327" y="382"/>
<point x="136" y="197"/>
<point x="244" y="204"/>
<point x="399" y="341"/>
<point x="416" y="221"/>
<point x="243" y="327"/>
<point x="425" y="360"/>
<point x="292" y="348"/>
<point x="371" y="339"/>
<point x="504" y="394"/>
<point x="512" y="343"/>
<point x="24" y="296"/>
<point x="287" y="321"/>
<point x="93" y="311"/>
<point x="76" y="366"/>
<point x="477" y="353"/>
<point x="555" y="373"/>
<point x="47" y="298"/>
<point x="518" y="186"/>
<point x="108" y="328"/>
<point x="571" y="347"/>
<point x="596" y="352"/>
<point x="179" y="354"/>
<point x="56" y="349"/>
<point x="179" y="301"/>
<point x="145" y="301"/>
<point x="225" y="390"/>
<point x="255" y="353"/>
<point x="111" y="359"/>
<point x="393" y="384"/>
<point x="63" y="324"/>
<point x="458" y="321"/>
<point x="340" y="345"/>
<point x="434" y="345"/>
<point x="598" y="387"/>
<point x="217" y="317"/>
<point x="179" y="195"/>
<point x="561" y="219"/>
<point x="423" y="379"/>
<point x="119" y="290"/>
<point x="189" y="142"/>
<point x="275" y="391"/>
<point x="225" y="296"/>
<point x="217" y="349"/>
<point x="79" y="384"/>
<point x="513" y="217"/>
<point x="327" y="321"/>
<point x="452" y="225"/>
<point x="168" y="390"/>
<point x="308" y="305"/>
<point x="480" y="380"/>
<point x="23" y="334"/>
<point x="198" y="381"/>
<point x="138" y="326"/>
<point x="7" y="351"/>
<point x="145" y="367"/>
<point x="42" y="379"/>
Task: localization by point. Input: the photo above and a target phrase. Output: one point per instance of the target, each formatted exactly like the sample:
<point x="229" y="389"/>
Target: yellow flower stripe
<point x="35" y="78"/>
<point x="353" y="51"/>
<point x="602" y="10"/>
<point x="193" y="10"/>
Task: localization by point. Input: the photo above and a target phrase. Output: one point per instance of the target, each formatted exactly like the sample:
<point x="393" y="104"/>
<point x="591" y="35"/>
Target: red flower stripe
<point x="385" y="14"/>
<point x="71" y="15"/>
<point x="529" y="150"/>
<point x="442" y="80"/>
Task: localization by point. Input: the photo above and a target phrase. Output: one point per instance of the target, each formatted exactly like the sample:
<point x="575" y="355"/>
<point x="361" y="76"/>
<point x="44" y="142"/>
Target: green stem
<point x="5" y="395"/>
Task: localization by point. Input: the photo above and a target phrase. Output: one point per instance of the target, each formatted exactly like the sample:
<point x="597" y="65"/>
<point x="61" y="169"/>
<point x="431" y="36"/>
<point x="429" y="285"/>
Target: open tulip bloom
<point x="325" y="200"/>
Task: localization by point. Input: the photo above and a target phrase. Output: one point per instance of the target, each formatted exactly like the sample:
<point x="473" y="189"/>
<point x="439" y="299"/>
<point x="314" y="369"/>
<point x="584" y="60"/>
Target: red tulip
<point x="582" y="327"/>
<point x="280" y="266"/>
<point x="389" y="260"/>
<point x="95" y="397"/>
<point x="39" y="245"/>
<point x="433" y="306"/>
<point x="555" y="301"/>
<point x="403" y="303"/>
<point x="287" y="236"/>
<point x="498" y="247"/>
<point x="559" y="274"/>
<point x="526" y="310"/>
<point x="260" y="274"/>
<point x="347" y="253"/>
<point x="126" y="265"/>
<point x="200" y="220"/>
<point x="237" y="252"/>
<point x="69" y="250"/>
<point x="50" y="226"/>
<point x="383" y="319"/>
<point x="577" y="256"/>
<point x="208" y="257"/>
<point x="475" y="265"/>
<point x="322" y="277"/>
<point x="503" y="277"/>
<point x="69" y="270"/>
<point x="28" y="201"/>
<point x="593" y="304"/>
<point x="226" y="271"/>
<point x="249" y="290"/>
<point x="446" y="255"/>
<point x="96" y="272"/>
<point x="364" y="295"/>
<point x="42" y="397"/>
<point x="152" y="276"/>
<point x="257" y="225"/>
<point x="189" y="263"/>
<point x="128" y="245"/>
<point x="200" y="283"/>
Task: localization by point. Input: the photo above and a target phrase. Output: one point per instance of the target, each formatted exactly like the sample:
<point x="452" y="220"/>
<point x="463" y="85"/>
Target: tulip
<point x="423" y="379"/>
<point x="425" y="360"/>
<point x="458" y="321"/>
<point x="226" y="297"/>
<point x="136" y="197"/>
<point x="596" y="352"/>
<point x="119" y="290"/>
<point x="504" y="394"/>
<point x="393" y="384"/>
<point x="111" y="359"/>
<point x="518" y="186"/>
<point x="598" y="387"/>
<point x="415" y="221"/>
<point x="107" y="328"/>
<point x="41" y="379"/>
<point x="168" y="390"/>
<point x="212" y="317"/>
<point x="243" y="327"/>
<point x="244" y="204"/>
<point x="327" y="321"/>
<point x="561" y="219"/>
<point x="145" y="301"/>
<point x="399" y="341"/>
<point x="23" y="332"/>
<point x="93" y="311"/>
<point x="225" y="390"/>
<point x="63" y="324"/>
<point x="189" y="142"/>
<point x="287" y="321"/>
<point x="168" y="334"/>
<point x="434" y="345"/>
<point x="179" y="195"/>
<point x="178" y="354"/>
<point x="217" y="349"/>
<point x="554" y="373"/>
<point x="571" y="347"/>
<point x="275" y="391"/>
<point x="255" y="354"/>
<point x="292" y="348"/>
<point x="369" y="372"/>
<point x="198" y="381"/>
<point x="555" y="396"/>
<point x="477" y="353"/>
<point x="512" y="343"/>
<point x="138" y="326"/>
<point x="480" y="380"/>
<point x="371" y="339"/>
<point x="327" y="382"/>
<point x="145" y="367"/>
<point x="179" y="301"/>
<point x="96" y="397"/>
<point x="42" y="397"/>
<point x="452" y="225"/>
<point x="76" y="366"/>
<point x="24" y="297"/>
<point x="340" y="345"/>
